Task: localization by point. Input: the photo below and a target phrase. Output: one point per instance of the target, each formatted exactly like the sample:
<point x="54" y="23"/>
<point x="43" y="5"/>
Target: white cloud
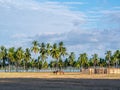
<point x="81" y="41"/>
<point x="117" y="7"/>
<point x="73" y="3"/>
<point x="36" y="17"/>
<point x="19" y="36"/>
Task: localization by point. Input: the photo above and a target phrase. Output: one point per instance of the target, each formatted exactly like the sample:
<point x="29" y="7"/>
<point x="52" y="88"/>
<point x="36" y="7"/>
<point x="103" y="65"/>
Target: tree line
<point x="39" y="54"/>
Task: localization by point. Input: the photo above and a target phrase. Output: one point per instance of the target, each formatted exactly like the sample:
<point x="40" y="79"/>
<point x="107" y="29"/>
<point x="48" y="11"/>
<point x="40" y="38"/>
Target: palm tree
<point x="55" y="53"/>
<point x="45" y="65"/>
<point x="39" y="62"/>
<point x="83" y="60"/>
<point x="43" y="53"/>
<point x="19" y="54"/>
<point x="108" y="57"/>
<point x="62" y="51"/>
<point x="35" y="47"/>
<point x="102" y="62"/>
<point x="3" y="56"/>
<point x="60" y="64"/>
<point x="32" y="63"/>
<point x="48" y="47"/>
<point x="11" y="56"/>
<point x="116" y="57"/>
<point x="52" y="64"/>
<point x="71" y="58"/>
<point x="27" y="57"/>
<point x="77" y="64"/>
<point x="95" y="59"/>
<point x="66" y="63"/>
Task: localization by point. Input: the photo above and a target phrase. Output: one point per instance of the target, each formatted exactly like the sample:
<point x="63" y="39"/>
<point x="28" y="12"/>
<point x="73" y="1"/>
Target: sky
<point x="91" y="26"/>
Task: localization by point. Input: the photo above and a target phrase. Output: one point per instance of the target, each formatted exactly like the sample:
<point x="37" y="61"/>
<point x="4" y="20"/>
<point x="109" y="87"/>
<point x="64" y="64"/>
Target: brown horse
<point x="55" y="72"/>
<point x="60" y="72"/>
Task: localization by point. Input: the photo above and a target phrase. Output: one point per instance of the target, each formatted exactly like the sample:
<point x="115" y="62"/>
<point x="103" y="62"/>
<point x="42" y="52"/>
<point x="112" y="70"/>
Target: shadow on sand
<point x="58" y="84"/>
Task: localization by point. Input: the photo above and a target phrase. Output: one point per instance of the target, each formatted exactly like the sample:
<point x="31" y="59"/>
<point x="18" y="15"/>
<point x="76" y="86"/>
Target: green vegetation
<point x="39" y="54"/>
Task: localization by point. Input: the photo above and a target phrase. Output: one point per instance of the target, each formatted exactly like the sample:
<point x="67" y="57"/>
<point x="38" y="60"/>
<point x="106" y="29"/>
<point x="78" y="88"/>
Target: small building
<point x="101" y="71"/>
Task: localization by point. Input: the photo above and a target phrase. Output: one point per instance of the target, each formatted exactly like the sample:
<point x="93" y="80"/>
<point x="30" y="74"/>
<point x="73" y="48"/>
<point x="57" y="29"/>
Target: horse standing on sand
<point x="60" y="72"/>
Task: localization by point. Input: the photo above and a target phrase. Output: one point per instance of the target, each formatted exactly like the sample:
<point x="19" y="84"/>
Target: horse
<point x="55" y="72"/>
<point x="60" y="72"/>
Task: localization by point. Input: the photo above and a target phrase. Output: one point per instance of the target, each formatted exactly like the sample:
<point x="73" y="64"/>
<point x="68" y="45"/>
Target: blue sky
<point x="91" y="26"/>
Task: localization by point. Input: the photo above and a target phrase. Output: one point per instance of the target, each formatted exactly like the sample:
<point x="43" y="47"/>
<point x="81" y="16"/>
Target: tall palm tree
<point x="43" y="53"/>
<point x="95" y="59"/>
<point x="19" y="54"/>
<point x="108" y="57"/>
<point x="11" y="56"/>
<point x="102" y="62"/>
<point x="32" y="63"/>
<point x="116" y="57"/>
<point x="77" y="64"/>
<point x="45" y="65"/>
<point x="66" y="63"/>
<point x="60" y="64"/>
<point x="52" y="64"/>
<point x="83" y="59"/>
<point x="48" y="48"/>
<point x="3" y="56"/>
<point x="62" y="49"/>
<point x="71" y="58"/>
<point x="27" y="57"/>
<point x="35" y="47"/>
<point x="55" y="53"/>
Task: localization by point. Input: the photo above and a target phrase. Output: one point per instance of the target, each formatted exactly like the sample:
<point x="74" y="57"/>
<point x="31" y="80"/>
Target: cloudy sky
<point x="91" y="26"/>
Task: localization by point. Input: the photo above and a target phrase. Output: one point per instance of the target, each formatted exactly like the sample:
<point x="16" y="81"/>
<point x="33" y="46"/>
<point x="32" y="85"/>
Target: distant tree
<point x="27" y="57"/>
<point x="90" y="62"/>
<point x="45" y="65"/>
<point x="52" y="64"/>
<point x="11" y="56"/>
<point x="102" y="62"/>
<point x="35" y="47"/>
<point x="108" y="57"/>
<point x="66" y="63"/>
<point x="95" y="59"/>
<point x="3" y="56"/>
<point x="19" y="55"/>
<point x="43" y="53"/>
<point x="83" y="60"/>
<point x="55" y="53"/>
<point x="60" y="64"/>
<point x="48" y="48"/>
<point x="71" y="58"/>
<point x="116" y="58"/>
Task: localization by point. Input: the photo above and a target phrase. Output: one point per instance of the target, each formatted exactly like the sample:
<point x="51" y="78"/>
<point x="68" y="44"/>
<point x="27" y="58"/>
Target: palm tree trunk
<point x="9" y="67"/>
<point x="16" y="66"/>
<point x="4" y="66"/>
<point x="24" y="66"/>
<point x="38" y="65"/>
<point x="116" y="64"/>
<point x="57" y="64"/>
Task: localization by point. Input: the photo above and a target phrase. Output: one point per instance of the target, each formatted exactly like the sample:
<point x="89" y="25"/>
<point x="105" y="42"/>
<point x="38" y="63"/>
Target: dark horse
<point x="60" y="72"/>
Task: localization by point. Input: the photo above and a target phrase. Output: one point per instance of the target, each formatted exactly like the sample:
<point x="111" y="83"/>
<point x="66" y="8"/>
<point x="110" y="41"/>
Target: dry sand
<point x="49" y="81"/>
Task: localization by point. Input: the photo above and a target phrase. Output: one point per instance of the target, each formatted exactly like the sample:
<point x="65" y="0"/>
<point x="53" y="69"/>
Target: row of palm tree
<point x="54" y="56"/>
